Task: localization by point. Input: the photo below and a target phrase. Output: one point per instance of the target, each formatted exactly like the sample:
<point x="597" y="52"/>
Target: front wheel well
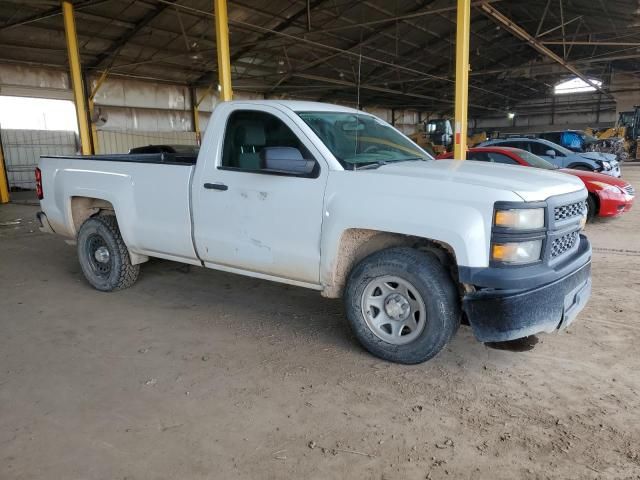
<point x="356" y="244"/>
<point x="582" y="166"/>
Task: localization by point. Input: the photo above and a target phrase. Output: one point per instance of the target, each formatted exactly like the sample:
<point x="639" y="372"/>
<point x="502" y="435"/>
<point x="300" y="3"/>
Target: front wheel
<point x="402" y="305"/>
<point x="592" y="208"/>
<point x="103" y="255"/>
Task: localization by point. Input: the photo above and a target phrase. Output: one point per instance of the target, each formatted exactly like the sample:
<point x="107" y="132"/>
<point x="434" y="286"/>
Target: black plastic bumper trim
<point x="500" y="315"/>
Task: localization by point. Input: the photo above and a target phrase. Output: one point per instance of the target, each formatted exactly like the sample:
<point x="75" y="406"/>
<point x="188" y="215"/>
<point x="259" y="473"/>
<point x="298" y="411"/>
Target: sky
<point x="37" y="114"/>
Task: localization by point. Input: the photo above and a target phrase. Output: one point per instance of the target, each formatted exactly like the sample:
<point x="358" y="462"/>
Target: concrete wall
<point x="626" y="91"/>
<point x="129" y="105"/>
<point x="553" y="113"/>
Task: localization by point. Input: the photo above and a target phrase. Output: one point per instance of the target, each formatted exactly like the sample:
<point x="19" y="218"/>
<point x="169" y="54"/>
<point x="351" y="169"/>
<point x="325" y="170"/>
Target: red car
<point x="608" y="196"/>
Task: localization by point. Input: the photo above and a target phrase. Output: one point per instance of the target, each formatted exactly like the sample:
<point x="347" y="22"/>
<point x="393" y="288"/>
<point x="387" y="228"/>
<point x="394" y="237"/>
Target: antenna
<point x="358" y="85"/>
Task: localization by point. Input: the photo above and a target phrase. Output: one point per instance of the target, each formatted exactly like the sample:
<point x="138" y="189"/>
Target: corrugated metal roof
<point x="401" y="53"/>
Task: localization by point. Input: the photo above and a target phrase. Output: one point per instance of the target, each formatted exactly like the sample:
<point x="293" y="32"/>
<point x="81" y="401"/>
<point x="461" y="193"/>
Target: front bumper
<point x="613" y="204"/>
<point x="498" y="315"/>
<point x="614" y="172"/>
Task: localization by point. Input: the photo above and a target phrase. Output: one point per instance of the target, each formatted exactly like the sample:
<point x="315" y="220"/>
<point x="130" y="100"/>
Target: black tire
<point x="117" y="272"/>
<point x="592" y="208"/>
<point x="582" y="168"/>
<point x="432" y="282"/>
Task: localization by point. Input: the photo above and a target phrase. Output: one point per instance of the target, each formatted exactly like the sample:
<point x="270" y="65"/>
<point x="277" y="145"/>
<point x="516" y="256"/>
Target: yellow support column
<point x="4" y="186"/>
<point x="222" y="44"/>
<point x="196" y="124"/>
<point x="92" y="109"/>
<point x="76" y="76"/>
<point x="463" y="29"/>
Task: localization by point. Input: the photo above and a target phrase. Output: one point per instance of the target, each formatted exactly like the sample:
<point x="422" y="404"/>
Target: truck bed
<point x="149" y="192"/>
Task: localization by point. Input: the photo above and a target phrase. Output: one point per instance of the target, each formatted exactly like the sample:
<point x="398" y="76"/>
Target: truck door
<point x="249" y="218"/>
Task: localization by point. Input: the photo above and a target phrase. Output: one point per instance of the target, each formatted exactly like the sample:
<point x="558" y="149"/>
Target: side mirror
<point x="551" y="153"/>
<point x="286" y="160"/>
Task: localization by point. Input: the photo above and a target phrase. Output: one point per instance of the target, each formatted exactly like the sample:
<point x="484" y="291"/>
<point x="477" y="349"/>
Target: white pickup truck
<point x="336" y="200"/>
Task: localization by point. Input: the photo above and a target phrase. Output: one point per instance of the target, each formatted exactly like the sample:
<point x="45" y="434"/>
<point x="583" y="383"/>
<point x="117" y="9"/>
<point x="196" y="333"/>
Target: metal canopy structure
<point x="397" y="54"/>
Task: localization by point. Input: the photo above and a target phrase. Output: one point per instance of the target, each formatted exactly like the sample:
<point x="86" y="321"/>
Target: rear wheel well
<point x="356" y="244"/>
<point x="83" y="208"/>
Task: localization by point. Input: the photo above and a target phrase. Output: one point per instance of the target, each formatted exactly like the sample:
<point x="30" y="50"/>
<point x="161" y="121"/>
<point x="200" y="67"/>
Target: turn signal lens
<point x="583" y="221"/>
<point x="520" y="218"/>
<point x="517" y="253"/>
<point x="39" y="192"/>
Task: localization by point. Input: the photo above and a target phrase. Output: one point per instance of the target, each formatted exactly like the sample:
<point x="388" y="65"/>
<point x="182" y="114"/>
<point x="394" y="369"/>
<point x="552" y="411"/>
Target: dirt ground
<point x="196" y="374"/>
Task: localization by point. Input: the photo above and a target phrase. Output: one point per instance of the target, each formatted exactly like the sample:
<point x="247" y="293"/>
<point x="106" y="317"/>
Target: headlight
<point x="516" y="253"/>
<point x="606" y="165"/>
<point x="609" y="188"/>
<point x="520" y="218"/>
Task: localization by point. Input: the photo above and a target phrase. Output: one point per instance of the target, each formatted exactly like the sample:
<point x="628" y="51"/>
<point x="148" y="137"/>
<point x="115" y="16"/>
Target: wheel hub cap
<point x="397" y="306"/>
<point x="102" y="255"/>
<point x="393" y="309"/>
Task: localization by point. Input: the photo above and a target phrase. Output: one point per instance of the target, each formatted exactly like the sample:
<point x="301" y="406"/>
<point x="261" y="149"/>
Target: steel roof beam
<point x="53" y="12"/>
<point x="122" y="41"/>
<point x="519" y="32"/>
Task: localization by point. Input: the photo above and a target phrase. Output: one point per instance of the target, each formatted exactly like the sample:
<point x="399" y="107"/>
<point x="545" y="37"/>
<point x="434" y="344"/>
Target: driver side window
<point x="540" y="149"/>
<point x="248" y="133"/>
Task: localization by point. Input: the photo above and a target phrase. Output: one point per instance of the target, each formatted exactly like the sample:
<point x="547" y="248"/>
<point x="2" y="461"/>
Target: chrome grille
<point x="569" y="211"/>
<point x="629" y="189"/>
<point x="564" y="244"/>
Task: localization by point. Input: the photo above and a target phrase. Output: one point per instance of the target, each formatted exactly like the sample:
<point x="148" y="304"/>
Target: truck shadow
<point x="519" y="345"/>
<point x="293" y="311"/>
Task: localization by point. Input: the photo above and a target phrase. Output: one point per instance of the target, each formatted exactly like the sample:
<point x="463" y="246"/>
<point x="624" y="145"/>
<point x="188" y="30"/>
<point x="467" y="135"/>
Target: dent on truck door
<point x="255" y="220"/>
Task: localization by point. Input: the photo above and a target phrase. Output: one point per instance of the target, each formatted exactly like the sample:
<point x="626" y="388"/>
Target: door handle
<point x="216" y="186"/>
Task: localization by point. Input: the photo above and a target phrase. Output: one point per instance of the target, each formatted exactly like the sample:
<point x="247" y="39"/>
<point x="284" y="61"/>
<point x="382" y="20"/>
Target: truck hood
<point x="607" y="157"/>
<point x="531" y="184"/>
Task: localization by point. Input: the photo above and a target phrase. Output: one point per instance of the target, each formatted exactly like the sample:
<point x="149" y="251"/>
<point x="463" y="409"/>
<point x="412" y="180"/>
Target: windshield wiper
<point x="370" y="166"/>
<point x="412" y="159"/>
<point x="380" y="163"/>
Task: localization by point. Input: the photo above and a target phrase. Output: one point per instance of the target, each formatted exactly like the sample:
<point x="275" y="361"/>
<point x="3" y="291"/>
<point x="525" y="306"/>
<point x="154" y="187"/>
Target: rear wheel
<point x="402" y="305"/>
<point x="103" y="256"/>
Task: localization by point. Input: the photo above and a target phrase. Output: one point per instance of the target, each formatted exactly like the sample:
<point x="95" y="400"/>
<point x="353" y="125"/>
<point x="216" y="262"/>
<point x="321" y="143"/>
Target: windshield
<point x="360" y="139"/>
<point x="535" y="161"/>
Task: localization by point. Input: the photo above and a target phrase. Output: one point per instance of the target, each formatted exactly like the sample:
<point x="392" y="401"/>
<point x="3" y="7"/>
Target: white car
<point x="336" y="200"/>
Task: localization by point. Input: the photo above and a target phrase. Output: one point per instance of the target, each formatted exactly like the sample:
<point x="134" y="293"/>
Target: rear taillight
<point x="39" y="184"/>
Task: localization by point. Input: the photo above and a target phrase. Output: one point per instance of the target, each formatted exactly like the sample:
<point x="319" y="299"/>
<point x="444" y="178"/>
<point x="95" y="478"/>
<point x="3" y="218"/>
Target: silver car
<point x="562" y="157"/>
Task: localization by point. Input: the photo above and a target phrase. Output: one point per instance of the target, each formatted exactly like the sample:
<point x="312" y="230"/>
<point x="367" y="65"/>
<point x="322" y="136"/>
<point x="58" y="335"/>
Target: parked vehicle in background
<point x="177" y="149"/>
<point x="575" y="140"/>
<point x="621" y="139"/>
<point x="435" y="136"/>
<point x="608" y="196"/>
<point x="604" y="163"/>
<point x="336" y="200"/>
